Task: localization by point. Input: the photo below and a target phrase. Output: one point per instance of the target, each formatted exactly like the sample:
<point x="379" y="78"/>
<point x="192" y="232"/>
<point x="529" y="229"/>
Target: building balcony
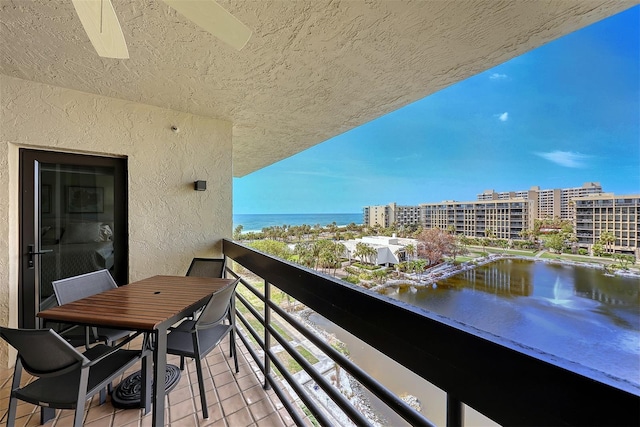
<point x="508" y="383"/>
<point x="496" y="377"/>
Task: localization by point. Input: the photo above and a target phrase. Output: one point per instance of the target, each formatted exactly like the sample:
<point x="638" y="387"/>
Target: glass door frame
<point x="29" y="214"/>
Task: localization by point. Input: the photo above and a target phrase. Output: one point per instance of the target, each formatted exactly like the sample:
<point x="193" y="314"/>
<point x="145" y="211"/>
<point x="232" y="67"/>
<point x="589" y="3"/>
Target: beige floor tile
<point x="226" y="405"/>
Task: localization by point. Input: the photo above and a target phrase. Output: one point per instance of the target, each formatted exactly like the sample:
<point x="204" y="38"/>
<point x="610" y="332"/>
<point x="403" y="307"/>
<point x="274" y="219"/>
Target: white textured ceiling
<point x="312" y="69"/>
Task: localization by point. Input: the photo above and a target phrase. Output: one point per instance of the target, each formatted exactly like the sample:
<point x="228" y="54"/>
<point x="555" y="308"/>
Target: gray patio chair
<point x="65" y="378"/>
<point x="196" y="338"/>
<point x="207" y="267"/>
<point x="78" y="287"/>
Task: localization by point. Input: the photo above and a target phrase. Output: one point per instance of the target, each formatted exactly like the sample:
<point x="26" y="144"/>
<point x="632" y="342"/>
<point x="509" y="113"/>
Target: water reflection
<point x="576" y="313"/>
<point x="573" y="312"/>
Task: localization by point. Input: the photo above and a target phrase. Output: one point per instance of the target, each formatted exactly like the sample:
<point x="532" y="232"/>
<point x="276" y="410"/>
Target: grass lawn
<point x="578" y="258"/>
<point x="279" y="298"/>
<point x="520" y="252"/>
<point x="290" y="362"/>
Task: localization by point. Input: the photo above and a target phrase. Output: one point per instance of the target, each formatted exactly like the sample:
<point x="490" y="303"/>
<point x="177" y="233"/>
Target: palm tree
<point x="372" y="255"/>
<point x="607" y="238"/>
<point x="359" y="251"/>
<point x="237" y="232"/>
<point x="410" y="250"/>
<point x="366" y="253"/>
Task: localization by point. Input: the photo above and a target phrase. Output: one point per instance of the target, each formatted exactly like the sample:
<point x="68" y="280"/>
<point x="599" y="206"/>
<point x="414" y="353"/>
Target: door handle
<point x="32" y="252"/>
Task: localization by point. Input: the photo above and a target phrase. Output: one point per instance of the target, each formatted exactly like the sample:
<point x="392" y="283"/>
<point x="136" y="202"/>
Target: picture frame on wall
<point x="85" y="199"/>
<point x="45" y="199"/>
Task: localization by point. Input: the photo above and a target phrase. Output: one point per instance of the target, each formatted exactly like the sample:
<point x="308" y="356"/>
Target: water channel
<point x="573" y="312"/>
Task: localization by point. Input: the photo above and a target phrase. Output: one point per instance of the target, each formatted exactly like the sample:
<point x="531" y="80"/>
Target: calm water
<point x="576" y="313"/>
<point x="256" y="222"/>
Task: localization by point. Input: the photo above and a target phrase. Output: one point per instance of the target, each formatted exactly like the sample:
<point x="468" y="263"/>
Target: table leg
<point x="159" y="369"/>
<point x="146" y="374"/>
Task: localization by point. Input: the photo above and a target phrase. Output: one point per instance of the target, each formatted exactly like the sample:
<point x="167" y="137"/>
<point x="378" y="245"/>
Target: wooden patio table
<point x="151" y="305"/>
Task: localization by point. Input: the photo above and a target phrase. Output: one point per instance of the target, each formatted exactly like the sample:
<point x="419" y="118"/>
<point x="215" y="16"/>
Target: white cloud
<point x="503" y="117"/>
<point x="568" y="159"/>
<point x="497" y="76"/>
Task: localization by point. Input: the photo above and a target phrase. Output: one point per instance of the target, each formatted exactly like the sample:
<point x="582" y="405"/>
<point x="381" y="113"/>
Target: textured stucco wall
<point x="169" y="222"/>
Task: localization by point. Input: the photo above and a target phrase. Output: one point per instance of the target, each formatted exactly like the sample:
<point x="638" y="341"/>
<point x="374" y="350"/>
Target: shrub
<point x="352" y="279"/>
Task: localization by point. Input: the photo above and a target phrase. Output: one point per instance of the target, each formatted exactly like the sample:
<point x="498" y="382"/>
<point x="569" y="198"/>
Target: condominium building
<point x="386" y="215"/>
<point x="619" y="215"/>
<point x="504" y="219"/>
<point x="552" y="203"/>
<point x="376" y="215"/>
<point x="505" y="215"/>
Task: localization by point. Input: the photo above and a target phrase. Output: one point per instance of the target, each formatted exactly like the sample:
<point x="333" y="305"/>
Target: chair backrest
<point x="84" y="285"/>
<point x="217" y="307"/>
<point x="206" y="267"/>
<point x="43" y="352"/>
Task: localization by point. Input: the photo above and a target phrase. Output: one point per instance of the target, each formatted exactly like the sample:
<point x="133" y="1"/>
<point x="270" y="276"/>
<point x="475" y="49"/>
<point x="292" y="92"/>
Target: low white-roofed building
<point x="390" y="249"/>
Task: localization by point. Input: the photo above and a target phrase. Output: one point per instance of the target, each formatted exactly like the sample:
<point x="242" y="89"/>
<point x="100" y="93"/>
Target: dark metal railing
<point x="508" y="383"/>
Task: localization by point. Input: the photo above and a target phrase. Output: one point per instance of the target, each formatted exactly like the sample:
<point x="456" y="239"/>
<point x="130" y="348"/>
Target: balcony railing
<point x="506" y="382"/>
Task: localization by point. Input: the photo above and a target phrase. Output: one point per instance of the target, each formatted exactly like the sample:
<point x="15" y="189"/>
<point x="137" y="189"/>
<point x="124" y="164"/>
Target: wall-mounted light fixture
<point x="200" y="185"/>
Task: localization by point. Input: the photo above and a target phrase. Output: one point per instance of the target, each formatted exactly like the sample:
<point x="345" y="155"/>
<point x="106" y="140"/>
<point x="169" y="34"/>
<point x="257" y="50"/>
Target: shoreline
<point x="448" y="269"/>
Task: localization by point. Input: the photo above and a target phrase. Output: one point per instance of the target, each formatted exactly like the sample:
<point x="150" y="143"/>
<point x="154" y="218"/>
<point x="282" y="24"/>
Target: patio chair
<point x="65" y="378"/>
<point x="207" y="267"/>
<point x="197" y="338"/>
<point x="77" y="287"/>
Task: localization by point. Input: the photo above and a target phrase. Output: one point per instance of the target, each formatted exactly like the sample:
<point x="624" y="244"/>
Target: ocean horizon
<point x="256" y="222"/>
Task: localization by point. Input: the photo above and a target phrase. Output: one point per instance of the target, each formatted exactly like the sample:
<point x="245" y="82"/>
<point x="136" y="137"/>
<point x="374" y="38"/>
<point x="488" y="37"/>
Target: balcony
<point x="501" y="380"/>
<point x="505" y="382"/>
<point x="233" y="399"/>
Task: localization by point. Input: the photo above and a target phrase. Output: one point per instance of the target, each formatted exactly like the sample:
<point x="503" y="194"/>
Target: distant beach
<point x="256" y="222"/>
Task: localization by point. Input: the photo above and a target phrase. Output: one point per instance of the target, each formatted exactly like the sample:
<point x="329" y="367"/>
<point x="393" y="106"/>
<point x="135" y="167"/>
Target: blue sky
<point x="561" y="115"/>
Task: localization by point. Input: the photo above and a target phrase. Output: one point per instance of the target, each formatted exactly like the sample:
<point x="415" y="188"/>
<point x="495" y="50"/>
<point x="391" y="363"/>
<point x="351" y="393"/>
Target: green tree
<point x="459" y="247"/>
<point x="597" y="249"/>
<point x="330" y="254"/>
<point x="624" y="260"/>
<point x="410" y="250"/>
<point x="366" y="253"/>
<point x="237" y="232"/>
<point x="555" y="242"/>
<point x="418" y="266"/>
<point x="304" y="252"/>
<point x="273" y="247"/>
<point x="380" y="274"/>
<point x="607" y="239"/>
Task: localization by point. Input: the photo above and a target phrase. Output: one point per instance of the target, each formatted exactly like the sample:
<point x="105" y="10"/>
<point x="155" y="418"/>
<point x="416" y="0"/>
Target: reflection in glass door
<point x="73" y="222"/>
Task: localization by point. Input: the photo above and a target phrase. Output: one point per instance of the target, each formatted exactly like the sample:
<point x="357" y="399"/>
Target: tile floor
<point x="234" y="400"/>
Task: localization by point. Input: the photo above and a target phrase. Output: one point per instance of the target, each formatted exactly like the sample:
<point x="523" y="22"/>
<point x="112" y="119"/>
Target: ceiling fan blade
<point x="101" y="25"/>
<point x="213" y="18"/>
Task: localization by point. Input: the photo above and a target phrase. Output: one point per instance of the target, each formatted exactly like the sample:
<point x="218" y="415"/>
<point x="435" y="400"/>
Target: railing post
<point x="267" y="336"/>
<point x="455" y="412"/>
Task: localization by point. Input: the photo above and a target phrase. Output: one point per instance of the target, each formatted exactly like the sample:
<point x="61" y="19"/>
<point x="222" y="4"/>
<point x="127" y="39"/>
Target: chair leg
<point x="46" y="414"/>
<point x="13" y="402"/>
<point x="182" y="363"/>
<point x="79" y="415"/>
<point x="203" y="398"/>
<point x="234" y="349"/>
<point x="82" y="397"/>
<point x="11" y="413"/>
